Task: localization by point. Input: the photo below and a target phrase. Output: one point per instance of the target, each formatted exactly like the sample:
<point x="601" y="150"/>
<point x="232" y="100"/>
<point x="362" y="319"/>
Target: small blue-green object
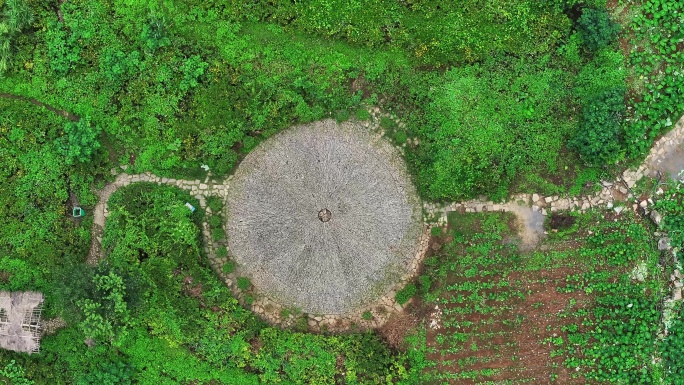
<point x="77" y="212"/>
<point x="191" y="207"/>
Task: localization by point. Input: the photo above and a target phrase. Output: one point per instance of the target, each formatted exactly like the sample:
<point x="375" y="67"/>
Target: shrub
<point x="243" y="283"/>
<point x="400" y="137"/>
<point x="221" y="252"/>
<point x="215" y="221"/>
<point x="362" y="114"/>
<point x="79" y="142"/>
<point x="367" y="315"/>
<point x="597" y="29"/>
<point x="425" y="283"/>
<point x="600" y="139"/>
<point x="387" y="123"/>
<point x="218" y="234"/>
<point x="229" y="267"/>
<point x="342" y="116"/>
<point x="405" y="294"/>
<point x="215" y="204"/>
<point x="436" y="231"/>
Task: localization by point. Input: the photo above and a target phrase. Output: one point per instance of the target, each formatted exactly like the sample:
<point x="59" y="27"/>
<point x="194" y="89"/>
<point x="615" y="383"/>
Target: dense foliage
<point x="153" y="303"/>
<point x="671" y="207"/>
<point x="494" y="97"/>
<point x="657" y="59"/>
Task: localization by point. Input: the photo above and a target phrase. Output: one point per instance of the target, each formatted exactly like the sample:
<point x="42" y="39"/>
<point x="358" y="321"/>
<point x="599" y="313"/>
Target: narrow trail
<point x="66" y="114"/>
<point x="530" y="209"/>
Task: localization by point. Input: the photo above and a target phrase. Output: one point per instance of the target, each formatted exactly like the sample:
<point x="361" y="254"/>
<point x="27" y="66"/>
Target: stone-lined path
<point x="615" y="194"/>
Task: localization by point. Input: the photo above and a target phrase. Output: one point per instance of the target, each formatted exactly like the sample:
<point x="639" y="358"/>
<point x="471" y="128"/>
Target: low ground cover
<point x="568" y="312"/>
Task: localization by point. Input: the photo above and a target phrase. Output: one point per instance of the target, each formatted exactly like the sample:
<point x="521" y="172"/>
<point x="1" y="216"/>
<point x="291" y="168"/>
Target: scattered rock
<point x="656" y="217"/>
<point x="664" y="244"/>
<point x="619" y="209"/>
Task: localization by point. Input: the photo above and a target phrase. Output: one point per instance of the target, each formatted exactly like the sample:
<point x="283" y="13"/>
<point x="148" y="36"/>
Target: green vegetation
<point x="487" y="289"/>
<point x="493" y="98"/>
<point x="405" y="294"/>
<point x="671" y="206"/>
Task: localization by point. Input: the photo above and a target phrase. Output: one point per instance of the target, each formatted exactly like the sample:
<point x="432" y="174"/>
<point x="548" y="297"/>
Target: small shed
<point x="20" y="321"/>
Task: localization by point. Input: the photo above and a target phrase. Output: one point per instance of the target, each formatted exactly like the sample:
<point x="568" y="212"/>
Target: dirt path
<point x="531" y="209"/>
<point x="666" y="157"/>
<point x="66" y="114"/>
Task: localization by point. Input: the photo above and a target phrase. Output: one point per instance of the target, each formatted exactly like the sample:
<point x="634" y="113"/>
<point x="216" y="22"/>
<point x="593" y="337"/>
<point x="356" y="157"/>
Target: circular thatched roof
<point x="323" y="217"/>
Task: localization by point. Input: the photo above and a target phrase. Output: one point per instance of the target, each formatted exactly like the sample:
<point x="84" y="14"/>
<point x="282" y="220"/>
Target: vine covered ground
<point x="487" y="100"/>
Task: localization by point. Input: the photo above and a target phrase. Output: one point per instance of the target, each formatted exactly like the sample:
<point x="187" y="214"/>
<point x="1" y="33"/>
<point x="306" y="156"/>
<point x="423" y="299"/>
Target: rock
<point x="664" y="244"/>
<point x="610" y="205"/>
<point x="535" y="198"/>
<point x="548" y="199"/>
<point x="124" y="167"/>
<point x="656" y="217"/>
<point x="203" y="186"/>
<point x="676" y="294"/>
<point x="659" y="192"/>
<point x="677" y="274"/>
<point x="643" y="204"/>
<point x="678" y="284"/>
<point x="543" y="211"/>
<point x="619" y="209"/>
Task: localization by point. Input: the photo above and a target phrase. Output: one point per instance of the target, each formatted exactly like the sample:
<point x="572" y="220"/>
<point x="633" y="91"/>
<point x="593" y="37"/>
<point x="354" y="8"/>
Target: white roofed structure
<point x="20" y="321"/>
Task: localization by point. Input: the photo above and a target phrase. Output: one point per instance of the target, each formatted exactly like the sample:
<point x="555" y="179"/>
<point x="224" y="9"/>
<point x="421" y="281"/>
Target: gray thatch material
<point x="323" y="217"/>
<point x="20" y="321"/>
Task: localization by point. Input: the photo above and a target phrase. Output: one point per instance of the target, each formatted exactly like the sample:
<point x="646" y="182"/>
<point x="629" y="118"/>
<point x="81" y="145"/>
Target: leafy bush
<point x="405" y="294"/>
<point x="657" y="64"/>
<point x="229" y="267"/>
<point x="672" y="347"/>
<point x="15" y="374"/>
<point x="215" y="221"/>
<point x="218" y="234"/>
<point x="15" y="15"/>
<point x="671" y="207"/>
<point x="243" y="283"/>
<point x="80" y="141"/>
<point x="221" y="252"/>
<point x="367" y="315"/>
<point x="601" y="137"/>
<point x="215" y="204"/>
<point x="597" y="29"/>
<point x="64" y="51"/>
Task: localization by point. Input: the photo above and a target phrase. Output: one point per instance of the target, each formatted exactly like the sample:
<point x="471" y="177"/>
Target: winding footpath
<point x="616" y="195"/>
